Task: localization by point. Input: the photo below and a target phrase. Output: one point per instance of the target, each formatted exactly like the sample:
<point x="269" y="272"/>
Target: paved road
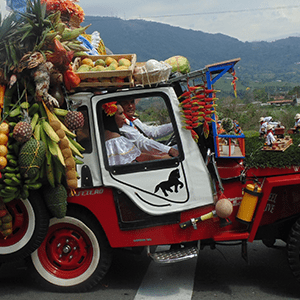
<point x="216" y="274"/>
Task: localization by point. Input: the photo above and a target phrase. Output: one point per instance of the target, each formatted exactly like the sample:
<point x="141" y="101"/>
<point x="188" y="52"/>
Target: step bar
<point x="174" y="255"/>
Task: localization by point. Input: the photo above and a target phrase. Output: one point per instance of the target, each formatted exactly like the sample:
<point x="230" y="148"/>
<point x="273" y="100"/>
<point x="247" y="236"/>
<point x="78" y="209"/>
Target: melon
<point x="179" y="64"/>
<point x="124" y="62"/>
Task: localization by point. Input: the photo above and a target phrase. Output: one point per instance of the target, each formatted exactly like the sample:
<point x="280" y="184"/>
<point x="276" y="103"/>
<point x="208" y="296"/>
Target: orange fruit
<point x="3" y="162"/>
<point x="4" y="128"/>
<point x="3" y="150"/>
<point x="3" y="139"/>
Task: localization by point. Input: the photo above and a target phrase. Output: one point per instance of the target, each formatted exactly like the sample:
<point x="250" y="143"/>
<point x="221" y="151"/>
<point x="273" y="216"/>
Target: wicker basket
<point x="144" y="77"/>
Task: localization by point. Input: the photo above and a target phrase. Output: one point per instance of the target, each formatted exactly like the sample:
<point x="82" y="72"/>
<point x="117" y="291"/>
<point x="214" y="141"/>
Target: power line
<point x="222" y="12"/>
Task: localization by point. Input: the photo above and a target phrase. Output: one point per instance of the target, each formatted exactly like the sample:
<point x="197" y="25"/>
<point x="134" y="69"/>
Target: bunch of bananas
<point x="12" y="185"/>
<point x="6" y="224"/>
<point x="58" y="163"/>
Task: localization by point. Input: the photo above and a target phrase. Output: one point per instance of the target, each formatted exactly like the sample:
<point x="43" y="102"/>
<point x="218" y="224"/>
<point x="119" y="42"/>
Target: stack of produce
<point x="105" y="70"/>
<point x="36" y="147"/>
<point x="197" y="108"/>
<point x="4" y="131"/>
<point x="6" y="224"/>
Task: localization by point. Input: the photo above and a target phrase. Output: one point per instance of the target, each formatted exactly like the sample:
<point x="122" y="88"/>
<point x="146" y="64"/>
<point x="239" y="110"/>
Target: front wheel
<point x="293" y="249"/>
<point x="74" y="256"/>
<point x="30" y="225"/>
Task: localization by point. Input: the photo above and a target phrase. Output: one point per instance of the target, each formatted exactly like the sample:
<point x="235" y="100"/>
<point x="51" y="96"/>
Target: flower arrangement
<point x="110" y="108"/>
<point x="67" y="7"/>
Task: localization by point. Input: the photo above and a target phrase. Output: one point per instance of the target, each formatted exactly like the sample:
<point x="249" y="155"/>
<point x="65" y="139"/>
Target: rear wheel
<point x="74" y="256"/>
<point x="30" y="225"/>
<point x="293" y="249"/>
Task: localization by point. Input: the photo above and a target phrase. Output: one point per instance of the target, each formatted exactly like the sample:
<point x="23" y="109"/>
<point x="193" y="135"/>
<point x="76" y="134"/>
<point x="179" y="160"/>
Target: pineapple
<point x="22" y="132"/>
<point x="56" y="200"/>
<point x="74" y="120"/>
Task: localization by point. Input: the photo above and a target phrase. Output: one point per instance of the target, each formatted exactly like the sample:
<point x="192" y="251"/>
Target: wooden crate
<point x="106" y="78"/>
<point x="280" y="145"/>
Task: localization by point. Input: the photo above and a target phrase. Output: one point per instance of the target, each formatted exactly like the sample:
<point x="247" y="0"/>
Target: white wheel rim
<point x="84" y="276"/>
<point x="5" y="250"/>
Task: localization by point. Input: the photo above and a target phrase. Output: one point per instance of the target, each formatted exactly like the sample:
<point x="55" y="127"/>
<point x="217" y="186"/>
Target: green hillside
<point x="261" y="62"/>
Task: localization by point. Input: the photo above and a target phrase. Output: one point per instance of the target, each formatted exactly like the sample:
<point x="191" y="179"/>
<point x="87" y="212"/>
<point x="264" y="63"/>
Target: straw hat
<point x="261" y="119"/>
<point x="297" y="116"/>
<point x="269" y="127"/>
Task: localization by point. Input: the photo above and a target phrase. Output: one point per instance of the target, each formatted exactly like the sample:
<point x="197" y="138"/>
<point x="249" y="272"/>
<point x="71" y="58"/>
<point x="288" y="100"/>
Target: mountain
<point x="260" y="61"/>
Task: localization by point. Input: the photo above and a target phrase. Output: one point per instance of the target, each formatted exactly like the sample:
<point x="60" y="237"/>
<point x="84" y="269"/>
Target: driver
<point x="141" y="134"/>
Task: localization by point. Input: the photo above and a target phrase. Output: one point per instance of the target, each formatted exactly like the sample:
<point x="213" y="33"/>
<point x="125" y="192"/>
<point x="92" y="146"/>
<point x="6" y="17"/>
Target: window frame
<point x="146" y="165"/>
<point x="88" y="146"/>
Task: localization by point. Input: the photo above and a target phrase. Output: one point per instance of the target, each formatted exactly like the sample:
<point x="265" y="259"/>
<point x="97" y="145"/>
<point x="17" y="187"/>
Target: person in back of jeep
<point x="141" y="134"/>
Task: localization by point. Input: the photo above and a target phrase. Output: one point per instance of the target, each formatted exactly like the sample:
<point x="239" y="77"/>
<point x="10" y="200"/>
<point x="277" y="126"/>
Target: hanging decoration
<point x="233" y="83"/>
<point x="197" y="108"/>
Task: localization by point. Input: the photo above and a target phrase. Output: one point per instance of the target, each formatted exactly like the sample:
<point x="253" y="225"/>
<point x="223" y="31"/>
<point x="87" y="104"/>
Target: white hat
<point x="297" y="116"/>
<point x="261" y="119"/>
<point x="269" y="126"/>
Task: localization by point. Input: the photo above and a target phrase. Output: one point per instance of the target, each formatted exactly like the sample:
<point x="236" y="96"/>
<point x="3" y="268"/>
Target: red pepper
<point x="187" y="112"/>
<point x="210" y="91"/>
<point x="209" y="119"/>
<point x="187" y="105"/>
<point x="196" y="88"/>
<point x="195" y="108"/>
<point x="208" y="112"/>
<point x="199" y="103"/>
<point x="210" y="99"/>
<point x="197" y="113"/>
<point x="195" y="136"/>
<point x="185" y="101"/>
<point x="71" y="80"/>
<point x="209" y="105"/>
<point x="185" y="94"/>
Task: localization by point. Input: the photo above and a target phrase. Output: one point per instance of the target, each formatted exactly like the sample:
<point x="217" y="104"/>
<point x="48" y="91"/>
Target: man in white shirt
<point x="263" y="126"/>
<point x="270" y="137"/>
<point x="141" y="134"/>
<point x="297" y="123"/>
<point x="264" y="121"/>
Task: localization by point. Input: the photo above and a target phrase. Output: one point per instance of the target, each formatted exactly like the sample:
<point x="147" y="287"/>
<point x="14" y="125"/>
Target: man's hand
<point x="173" y="152"/>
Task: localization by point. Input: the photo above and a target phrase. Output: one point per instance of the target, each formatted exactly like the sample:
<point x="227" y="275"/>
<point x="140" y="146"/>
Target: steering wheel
<point x="171" y="140"/>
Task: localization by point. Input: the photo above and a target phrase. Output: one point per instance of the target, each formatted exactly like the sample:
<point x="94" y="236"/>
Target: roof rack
<point x="218" y="69"/>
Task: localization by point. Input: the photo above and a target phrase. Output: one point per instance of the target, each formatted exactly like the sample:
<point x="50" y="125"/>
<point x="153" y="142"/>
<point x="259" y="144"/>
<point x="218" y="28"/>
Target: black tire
<point x="75" y="254"/>
<point x="293" y="249"/>
<point x="269" y="242"/>
<point x="30" y="226"/>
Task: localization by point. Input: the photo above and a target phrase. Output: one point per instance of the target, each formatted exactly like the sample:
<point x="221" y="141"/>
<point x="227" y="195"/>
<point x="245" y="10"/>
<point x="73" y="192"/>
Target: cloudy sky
<point x="243" y="19"/>
<point x="253" y="20"/>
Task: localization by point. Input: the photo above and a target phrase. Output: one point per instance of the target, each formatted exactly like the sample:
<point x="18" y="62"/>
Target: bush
<point x="255" y="157"/>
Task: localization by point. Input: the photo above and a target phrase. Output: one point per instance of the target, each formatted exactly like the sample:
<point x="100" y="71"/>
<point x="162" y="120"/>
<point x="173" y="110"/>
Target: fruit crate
<point x="106" y="78"/>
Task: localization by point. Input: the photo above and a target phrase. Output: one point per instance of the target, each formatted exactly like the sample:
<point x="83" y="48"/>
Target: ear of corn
<point x="53" y="117"/>
<point x="49" y="169"/>
<point x="50" y="132"/>
<point x="55" y="151"/>
<point x="75" y="150"/>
